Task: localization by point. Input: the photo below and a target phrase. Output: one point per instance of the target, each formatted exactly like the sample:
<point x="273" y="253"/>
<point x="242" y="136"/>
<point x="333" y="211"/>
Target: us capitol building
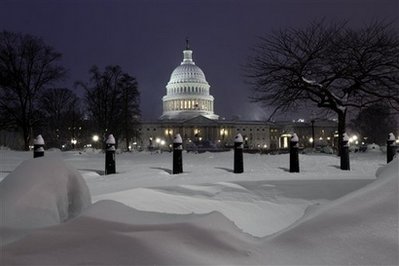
<point x="188" y="109"/>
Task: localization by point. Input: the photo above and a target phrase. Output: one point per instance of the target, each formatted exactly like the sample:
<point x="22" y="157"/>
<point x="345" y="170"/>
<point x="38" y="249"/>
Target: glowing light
<point x="95" y="138"/>
<point x="265" y="146"/>
<point x="162" y="142"/>
<point x="74" y="141"/>
<point x="158" y="140"/>
<point x="311" y="140"/>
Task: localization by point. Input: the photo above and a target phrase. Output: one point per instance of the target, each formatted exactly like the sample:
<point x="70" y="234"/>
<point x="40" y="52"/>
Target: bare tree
<point x="130" y="112"/>
<point x="329" y="66"/>
<point x="62" y="116"/>
<point x="27" y="66"/>
<point x="375" y="122"/>
<point x="112" y="99"/>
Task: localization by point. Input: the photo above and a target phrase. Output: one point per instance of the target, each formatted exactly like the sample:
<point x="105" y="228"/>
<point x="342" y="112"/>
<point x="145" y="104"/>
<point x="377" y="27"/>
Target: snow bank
<point x="251" y="214"/>
<point x="360" y="228"/>
<point x="113" y="234"/>
<point x="41" y="192"/>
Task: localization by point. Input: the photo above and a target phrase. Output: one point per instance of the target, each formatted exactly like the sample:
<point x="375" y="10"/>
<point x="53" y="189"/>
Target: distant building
<point x="188" y="109"/>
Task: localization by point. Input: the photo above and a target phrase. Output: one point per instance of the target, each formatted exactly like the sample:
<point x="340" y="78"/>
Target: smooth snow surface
<point x="208" y="215"/>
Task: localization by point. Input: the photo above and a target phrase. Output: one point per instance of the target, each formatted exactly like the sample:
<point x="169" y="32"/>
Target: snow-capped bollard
<point x="110" y="155"/>
<point x="391" y="147"/>
<point x="345" y="152"/>
<point x="38" y="147"/>
<point x="294" y="158"/>
<point x="177" y="155"/>
<point x="238" y="154"/>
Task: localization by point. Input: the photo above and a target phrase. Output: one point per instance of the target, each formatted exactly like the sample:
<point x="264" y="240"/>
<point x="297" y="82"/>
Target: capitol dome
<point x="187" y="92"/>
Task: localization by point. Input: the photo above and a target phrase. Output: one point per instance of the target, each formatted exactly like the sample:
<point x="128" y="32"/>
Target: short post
<point x="391" y="147"/>
<point x="238" y="154"/>
<point x="294" y="158"/>
<point x="38" y="147"/>
<point x="110" y="155"/>
<point x="177" y="155"/>
<point x="345" y="152"/>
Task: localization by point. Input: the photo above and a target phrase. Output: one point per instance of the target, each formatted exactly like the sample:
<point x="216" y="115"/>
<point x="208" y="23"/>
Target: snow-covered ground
<point x="208" y="214"/>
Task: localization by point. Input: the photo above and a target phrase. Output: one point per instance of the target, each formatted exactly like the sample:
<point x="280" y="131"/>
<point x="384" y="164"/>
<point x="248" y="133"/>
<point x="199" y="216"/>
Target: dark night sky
<point x="146" y="37"/>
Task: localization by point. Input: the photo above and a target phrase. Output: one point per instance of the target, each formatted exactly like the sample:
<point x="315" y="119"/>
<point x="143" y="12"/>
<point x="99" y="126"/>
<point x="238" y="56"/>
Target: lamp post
<point x="95" y="139"/>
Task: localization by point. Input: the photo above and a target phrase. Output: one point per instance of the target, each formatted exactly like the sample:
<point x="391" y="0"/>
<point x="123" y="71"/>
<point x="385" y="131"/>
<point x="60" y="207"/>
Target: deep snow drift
<point x="39" y="193"/>
<point x="359" y="228"/>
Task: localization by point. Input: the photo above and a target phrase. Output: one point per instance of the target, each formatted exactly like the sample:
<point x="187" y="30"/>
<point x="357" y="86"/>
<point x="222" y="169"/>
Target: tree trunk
<point x="26" y="135"/>
<point x="127" y="141"/>
<point x="341" y="129"/>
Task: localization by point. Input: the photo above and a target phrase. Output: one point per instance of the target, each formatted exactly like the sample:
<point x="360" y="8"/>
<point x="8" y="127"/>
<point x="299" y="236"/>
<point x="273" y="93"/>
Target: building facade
<point x="188" y="110"/>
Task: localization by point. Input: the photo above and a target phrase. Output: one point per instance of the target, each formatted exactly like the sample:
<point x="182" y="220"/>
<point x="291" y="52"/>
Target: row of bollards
<point x="391" y="147"/>
<point x="177" y="155"/>
<point x="38" y="147"/>
<point x="110" y="166"/>
<point x="238" y="154"/>
<point x="294" y="157"/>
<point x="345" y="152"/>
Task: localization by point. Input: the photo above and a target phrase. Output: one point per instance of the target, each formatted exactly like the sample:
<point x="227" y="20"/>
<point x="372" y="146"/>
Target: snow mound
<point x="41" y="192"/>
<point x="360" y="228"/>
<point x="110" y="233"/>
<point x="373" y="147"/>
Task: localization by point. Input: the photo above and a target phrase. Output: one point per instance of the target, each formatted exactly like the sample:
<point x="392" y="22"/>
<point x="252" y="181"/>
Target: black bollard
<point x="38" y="147"/>
<point x="238" y="154"/>
<point x="177" y="155"/>
<point x="345" y="153"/>
<point x="110" y="155"/>
<point x="294" y="158"/>
<point x="391" y="147"/>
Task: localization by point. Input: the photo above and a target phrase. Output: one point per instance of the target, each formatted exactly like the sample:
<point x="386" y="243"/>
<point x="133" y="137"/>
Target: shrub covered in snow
<point x="374" y="148"/>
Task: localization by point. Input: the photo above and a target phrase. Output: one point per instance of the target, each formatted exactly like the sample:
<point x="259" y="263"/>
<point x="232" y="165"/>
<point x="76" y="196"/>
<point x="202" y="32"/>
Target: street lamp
<point x="73" y="142"/>
<point x="95" y="138"/>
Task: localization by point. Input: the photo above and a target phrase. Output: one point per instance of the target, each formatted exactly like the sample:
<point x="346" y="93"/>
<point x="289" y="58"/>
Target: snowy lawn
<point x="265" y="201"/>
